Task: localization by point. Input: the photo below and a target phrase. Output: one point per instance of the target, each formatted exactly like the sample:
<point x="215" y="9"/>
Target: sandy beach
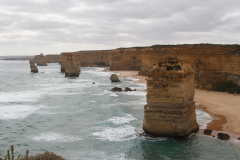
<point x="224" y="108"/>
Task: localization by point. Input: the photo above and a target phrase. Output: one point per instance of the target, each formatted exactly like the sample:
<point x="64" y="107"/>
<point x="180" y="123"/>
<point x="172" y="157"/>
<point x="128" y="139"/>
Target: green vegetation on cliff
<point x="229" y="87"/>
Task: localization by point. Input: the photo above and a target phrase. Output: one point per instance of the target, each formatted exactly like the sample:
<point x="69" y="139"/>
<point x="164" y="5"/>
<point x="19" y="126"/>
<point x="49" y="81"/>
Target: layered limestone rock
<point x="49" y="58"/>
<point x="33" y="67"/>
<point x="41" y="60"/>
<point x="72" y="67"/>
<point x="114" y="78"/>
<point x="170" y="109"/>
<point x="212" y="63"/>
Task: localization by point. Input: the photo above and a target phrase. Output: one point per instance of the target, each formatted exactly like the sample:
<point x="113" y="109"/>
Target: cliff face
<point x="93" y="58"/>
<point x="40" y="60"/>
<point x="212" y="63"/>
<point x="170" y="109"/>
<point x="49" y="58"/>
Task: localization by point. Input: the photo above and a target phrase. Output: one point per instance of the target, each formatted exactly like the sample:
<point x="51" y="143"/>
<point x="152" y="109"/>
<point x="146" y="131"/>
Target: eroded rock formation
<point x="33" y="67"/>
<point x="212" y="63"/>
<point x="72" y="67"/>
<point x="41" y="60"/>
<point x="170" y="109"/>
<point x="114" y="78"/>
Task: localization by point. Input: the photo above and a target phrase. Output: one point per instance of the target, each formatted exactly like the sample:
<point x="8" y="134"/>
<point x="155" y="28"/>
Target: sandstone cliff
<point x="49" y="58"/>
<point x="170" y="109"/>
<point x="212" y="63"/>
<point x="40" y="60"/>
<point x="72" y="66"/>
<point x="33" y="67"/>
<point x="92" y="58"/>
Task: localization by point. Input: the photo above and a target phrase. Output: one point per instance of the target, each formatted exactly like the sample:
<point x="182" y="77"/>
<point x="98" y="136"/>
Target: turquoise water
<point x="79" y="120"/>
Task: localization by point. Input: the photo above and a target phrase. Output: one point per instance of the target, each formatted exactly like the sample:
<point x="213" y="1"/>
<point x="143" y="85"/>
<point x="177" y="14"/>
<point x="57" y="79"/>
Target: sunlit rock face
<point x="170" y="109"/>
<point x="33" y="67"/>
<point x="41" y="60"/>
<point x="72" y="67"/>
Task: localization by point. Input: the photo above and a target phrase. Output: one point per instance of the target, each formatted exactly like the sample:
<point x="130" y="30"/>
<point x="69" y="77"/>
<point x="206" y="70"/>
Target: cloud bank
<point x="29" y="27"/>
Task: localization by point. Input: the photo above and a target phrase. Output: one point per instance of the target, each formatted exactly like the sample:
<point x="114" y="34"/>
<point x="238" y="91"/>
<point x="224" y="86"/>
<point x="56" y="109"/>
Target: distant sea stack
<point x="170" y="109"/>
<point x="72" y="66"/>
<point x="41" y="60"/>
<point x="33" y="67"/>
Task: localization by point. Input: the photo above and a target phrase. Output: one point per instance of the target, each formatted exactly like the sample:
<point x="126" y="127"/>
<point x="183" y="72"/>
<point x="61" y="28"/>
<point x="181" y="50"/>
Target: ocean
<point x="79" y="120"/>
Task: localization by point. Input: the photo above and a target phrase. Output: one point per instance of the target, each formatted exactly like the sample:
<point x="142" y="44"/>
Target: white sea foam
<point x="113" y="95"/>
<point x="122" y="120"/>
<point x="122" y="133"/>
<point x="26" y="96"/>
<point x="16" y="111"/>
<point x="55" y="137"/>
<point x="135" y="93"/>
<point x="203" y="119"/>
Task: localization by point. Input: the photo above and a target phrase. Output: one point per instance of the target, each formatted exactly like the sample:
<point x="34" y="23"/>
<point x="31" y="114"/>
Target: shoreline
<point x="224" y="108"/>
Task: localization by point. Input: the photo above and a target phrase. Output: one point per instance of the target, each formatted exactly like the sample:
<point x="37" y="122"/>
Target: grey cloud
<point x="115" y="23"/>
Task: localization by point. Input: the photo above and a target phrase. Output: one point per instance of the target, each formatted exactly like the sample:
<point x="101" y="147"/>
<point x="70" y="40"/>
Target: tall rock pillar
<point x="33" y="67"/>
<point x="72" y="66"/>
<point x="170" y="109"/>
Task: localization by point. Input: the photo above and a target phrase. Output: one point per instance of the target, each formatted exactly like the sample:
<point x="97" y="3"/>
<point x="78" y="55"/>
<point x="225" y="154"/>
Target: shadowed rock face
<point x="72" y="67"/>
<point x="41" y="60"/>
<point x="33" y="67"/>
<point x="114" y="78"/>
<point x="170" y="109"/>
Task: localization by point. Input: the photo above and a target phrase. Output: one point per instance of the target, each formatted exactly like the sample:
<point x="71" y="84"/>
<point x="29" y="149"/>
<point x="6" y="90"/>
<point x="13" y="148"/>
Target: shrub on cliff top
<point x="44" y="156"/>
<point x="229" y="87"/>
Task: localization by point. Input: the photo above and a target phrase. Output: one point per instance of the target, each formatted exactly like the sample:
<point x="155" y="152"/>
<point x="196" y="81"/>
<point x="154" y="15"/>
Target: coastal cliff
<point x="93" y="58"/>
<point x="170" y="109"/>
<point x="48" y="58"/>
<point x="212" y="63"/>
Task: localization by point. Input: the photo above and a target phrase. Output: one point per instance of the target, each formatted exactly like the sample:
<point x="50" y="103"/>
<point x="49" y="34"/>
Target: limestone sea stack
<point x="33" y="67"/>
<point x="41" y="60"/>
<point x="114" y="78"/>
<point x="170" y="109"/>
<point x="72" y="67"/>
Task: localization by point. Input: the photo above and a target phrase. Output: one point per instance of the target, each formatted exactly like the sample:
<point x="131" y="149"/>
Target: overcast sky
<point x="30" y="27"/>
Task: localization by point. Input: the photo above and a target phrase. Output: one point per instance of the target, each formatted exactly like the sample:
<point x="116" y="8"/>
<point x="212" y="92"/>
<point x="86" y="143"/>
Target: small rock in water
<point x="207" y="131"/>
<point x="114" y="78"/>
<point x="239" y="138"/>
<point x="93" y="83"/>
<point x="127" y="89"/>
<point x="116" y="89"/>
<point x="223" y="136"/>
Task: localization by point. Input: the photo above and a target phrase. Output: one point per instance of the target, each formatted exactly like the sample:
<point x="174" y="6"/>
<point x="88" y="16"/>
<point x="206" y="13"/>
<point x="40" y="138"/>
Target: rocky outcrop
<point x="223" y="136"/>
<point x="212" y="63"/>
<point x="207" y="131"/>
<point x="116" y="89"/>
<point x="170" y="109"/>
<point x="33" y="67"/>
<point x="72" y="67"/>
<point x="114" y="78"/>
<point x="40" y="60"/>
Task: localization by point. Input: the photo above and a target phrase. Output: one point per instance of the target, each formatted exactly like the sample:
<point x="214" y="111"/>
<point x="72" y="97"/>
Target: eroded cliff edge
<point x="212" y="63"/>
